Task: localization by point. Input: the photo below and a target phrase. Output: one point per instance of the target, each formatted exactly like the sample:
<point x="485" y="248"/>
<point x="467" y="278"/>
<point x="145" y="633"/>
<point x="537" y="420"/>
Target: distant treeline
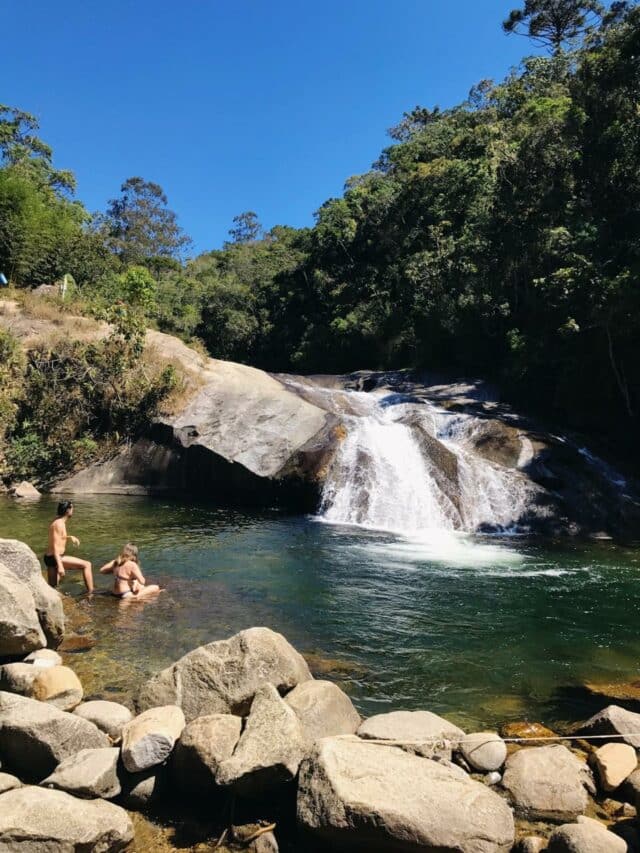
<point x="498" y="238"/>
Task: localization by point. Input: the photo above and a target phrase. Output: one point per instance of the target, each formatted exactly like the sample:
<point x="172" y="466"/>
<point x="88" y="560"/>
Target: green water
<point x="482" y="630"/>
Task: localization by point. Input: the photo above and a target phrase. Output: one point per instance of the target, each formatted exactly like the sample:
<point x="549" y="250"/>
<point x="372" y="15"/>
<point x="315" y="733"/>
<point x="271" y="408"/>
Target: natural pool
<point x="480" y="629"/>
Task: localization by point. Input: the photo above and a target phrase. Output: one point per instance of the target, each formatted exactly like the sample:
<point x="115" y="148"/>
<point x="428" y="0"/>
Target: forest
<point x="499" y="238"/>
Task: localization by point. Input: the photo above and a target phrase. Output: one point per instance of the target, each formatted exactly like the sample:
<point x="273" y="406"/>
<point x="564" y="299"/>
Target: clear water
<point x="481" y="629"/>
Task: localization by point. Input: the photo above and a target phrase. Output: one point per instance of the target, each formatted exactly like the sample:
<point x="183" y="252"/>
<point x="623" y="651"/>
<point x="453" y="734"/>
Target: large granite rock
<point x="204" y="744"/>
<point x="148" y="739"/>
<point x="140" y="791"/>
<point x="20" y="631"/>
<point x="355" y="795"/>
<point x="109" y="717"/>
<point x="25" y="491"/>
<point x="548" y="783"/>
<point x="35" y="737"/>
<point x="24" y="564"/>
<point x="39" y="820"/>
<point x="56" y="685"/>
<point x="323" y="709"/>
<point x="614" y="720"/>
<point x="8" y="782"/>
<point x="223" y="677"/>
<point x="421" y="732"/>
<point x="585" y="836"/>
<point x="270" y="748"/>
<point x="614" y="762"/>
<point x="88" y="774"/>
<point x="484" y="751"/>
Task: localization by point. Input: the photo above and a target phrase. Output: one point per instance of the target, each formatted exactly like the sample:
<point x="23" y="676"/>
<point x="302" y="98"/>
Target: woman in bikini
<point x="128" y="582"/>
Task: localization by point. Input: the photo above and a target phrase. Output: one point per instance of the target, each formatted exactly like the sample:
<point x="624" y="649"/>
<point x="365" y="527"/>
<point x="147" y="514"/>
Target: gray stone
<point x="44" y="658"/>
<point x="485" y="751"/>
<point x="420" y="732"/>
<point x="24" y="564"/>
<point x="56" y="685"/>
<point x="357" y="795"/>
<point x="20" y="631"/>
<point x="614" y="762"/>
<point x="8" y="782"/>
<point x="223" y="677"/>
<point x="109" y="717"/>
<point x="547" y="783"/>
<point x="323" y="709"/>
<point x="35" y="737"/>
<point x="24" y="490"/>
<point x="630" y="788"/>
<point x="586" y="836"/>
<point x="148" y="739"/>
<point x="270" y="748"/>
<point x="614" y="720"/>
<point x="140" y="791"/>
<point x="88" y="774"/>
<point x="40" y="820"/>
<point x="493" y="778"/>
<point x="204" y="744"/>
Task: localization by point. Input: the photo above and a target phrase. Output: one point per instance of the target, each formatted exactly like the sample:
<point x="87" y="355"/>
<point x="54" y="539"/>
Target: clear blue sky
<point x="267" y="105"/>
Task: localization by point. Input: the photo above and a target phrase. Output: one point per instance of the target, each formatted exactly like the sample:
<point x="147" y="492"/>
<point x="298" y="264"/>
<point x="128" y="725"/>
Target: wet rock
<point x="499" y="443"/>
<point x="56" y="685"/>
<point x="88" y="774"/>
<point x="20" y="631"/>
<point x="44" y="658"/>
<point x="535" y="733"/>
<point x="148" y="739"/>
<point x="204" y="744"/>
<point x="614" y="762"/>
<point x="24" y="490"/>
<point x="620" y="691"/>
<point x="420" y="732"/>
<point x="109" y="717"/>
<point x="586" y="836"/>
<point x="323" y="709"/>
<point x="485" y="751"/>
<point x="547" y="783"/>
<point x="614" y="720"/>
<point x="39" y="820"/>
<point x="357" y="795"/>
<point x="530" y="844"/>
<point x="270" y="748"/>
<point x="23" y="563"/>
<point x="8" y="782"/>
<point x="223" y="677"/>
<point x="35" y="736"/>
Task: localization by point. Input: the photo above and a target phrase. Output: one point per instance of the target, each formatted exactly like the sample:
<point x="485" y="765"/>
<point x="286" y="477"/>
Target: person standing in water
<point x="55" y="559"/>
<point x="128" y="582"/>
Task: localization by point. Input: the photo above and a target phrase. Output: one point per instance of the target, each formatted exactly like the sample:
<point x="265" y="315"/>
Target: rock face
<point x="89" y="774"/>
<point x="109" y="717"/>
<point x="20" y="630"/>
<point x="35" y="737"/>
<point x="204" y="744"/>
<point x="270" y="748"/>
<point x="484" y="751"/>
<point x="38" y="820"/>
<point x="323" y="709"/>
<point x="586" y="836"/>
<point x="148" y="739"/>
<point x="24" y="564"/>
<point x="422" y="732"/>
<point x="223" y="677"/>
<point x="614" y="720"/>
<point x="547" y="783"/>
<point x="56" y="685"/>
<point x="355" y="795"/>
<point x="614" y="762"/>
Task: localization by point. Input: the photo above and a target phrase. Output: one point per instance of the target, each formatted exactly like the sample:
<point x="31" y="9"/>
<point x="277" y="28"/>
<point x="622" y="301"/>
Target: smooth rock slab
<point x="109" y="717"/>
<point x="20" y="631"/>
<point x="484" y="751"/>
<point x="614" y="762"/>
<point x="324" y="710"/>
<point x="89" y="774"/>
<point x="270" y="748"/>
<point x="39" y="820"/>
<point x="614" y="720"/>
<point x="223" y="677"/>
<point x="35" y="737"/>
<point x="586" y="836"/>
<point x="204" y="744"/>
<point x="148" y="739"/>
<point x="420" y="732"/>
<point x="355" y="795"/>
<point x="56" y="685"/>
<point x="548" y="783"/>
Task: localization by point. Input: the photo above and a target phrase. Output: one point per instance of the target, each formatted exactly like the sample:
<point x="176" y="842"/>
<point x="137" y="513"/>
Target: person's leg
<point x="147" y="590"/>
<point x="52" y="575"/>
<point x="83" y="566"/>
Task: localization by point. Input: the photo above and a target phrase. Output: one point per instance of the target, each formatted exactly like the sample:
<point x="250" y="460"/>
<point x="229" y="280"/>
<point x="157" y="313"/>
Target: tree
<point x="247" y="228"/>
<point x="553" y="22"/>
<point x="139" y="226"/>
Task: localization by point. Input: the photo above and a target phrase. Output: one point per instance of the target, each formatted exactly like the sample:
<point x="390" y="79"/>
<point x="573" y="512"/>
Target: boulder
<point x="630" y="788"/>
<point x="35" y="736"/>
<point x="484" y="751"/>
<point x="8" y="782"/>
<point x="223" y="677"/>
<point x="40" y="820"/>
<point x="89" y="774"/>
<point x="531" y="844"/>
<point x="547" y="783"/>
<point x="356" y="795"/>
<point x="586" y="836"/>
<point x="148" y="739"/>
<point x="535" y="733"/>
<point x="614" y="720"/>
<point x="142" y="790"/>
<point x="420" y="732"/>
<point x="270" y="748"/>
<point x="109" y="717"/>
<point x="20" y="631"/>
<point x="44" y="658"/>
<point x="323" y="709"/>
<point x="204" y="744"/>
<point x="614" y="762"/>
<point x="24" y="490"/>
<point x="56" y="685"/>
<point x="21" y="560"/>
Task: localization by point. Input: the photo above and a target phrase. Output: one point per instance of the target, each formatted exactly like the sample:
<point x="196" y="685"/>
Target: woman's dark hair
<point x="64" y="507"/>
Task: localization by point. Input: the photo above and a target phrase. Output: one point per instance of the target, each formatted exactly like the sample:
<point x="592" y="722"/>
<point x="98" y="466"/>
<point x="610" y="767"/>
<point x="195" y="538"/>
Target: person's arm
<point x="108" y="568"/>
<point x="59" y="565"/>
<point x="136" y="574"/>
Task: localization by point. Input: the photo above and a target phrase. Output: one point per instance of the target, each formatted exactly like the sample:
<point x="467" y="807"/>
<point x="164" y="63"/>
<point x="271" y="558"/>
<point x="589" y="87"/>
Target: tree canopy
<point x="554" y="22"/>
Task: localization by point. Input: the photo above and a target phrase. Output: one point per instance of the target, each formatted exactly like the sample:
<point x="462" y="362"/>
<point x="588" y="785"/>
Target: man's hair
<point x="64" y="507"/>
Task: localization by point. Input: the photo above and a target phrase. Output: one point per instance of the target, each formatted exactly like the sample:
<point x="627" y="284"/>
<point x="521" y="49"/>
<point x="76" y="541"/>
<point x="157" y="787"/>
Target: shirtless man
<point x="55" y="559"/>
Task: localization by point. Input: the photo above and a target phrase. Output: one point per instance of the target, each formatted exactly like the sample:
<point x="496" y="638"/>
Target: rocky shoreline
<point x="239" y="736"/>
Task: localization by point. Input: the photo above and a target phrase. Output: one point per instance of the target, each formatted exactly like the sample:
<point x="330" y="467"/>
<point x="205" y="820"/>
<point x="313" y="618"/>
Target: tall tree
<point x="553" y="22"/>
<point x="246" y="228"/>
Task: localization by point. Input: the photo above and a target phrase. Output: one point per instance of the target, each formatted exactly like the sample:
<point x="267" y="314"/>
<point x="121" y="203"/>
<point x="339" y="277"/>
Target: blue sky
<point x="238" y="105"/>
